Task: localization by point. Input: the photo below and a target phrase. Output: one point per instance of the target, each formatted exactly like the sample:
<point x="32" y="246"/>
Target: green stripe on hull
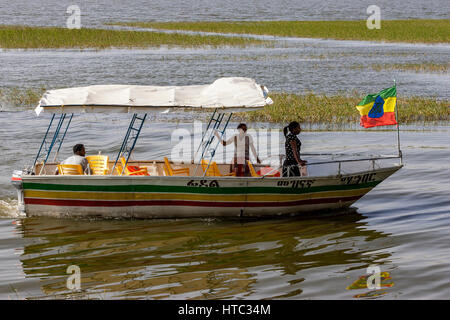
<point x="196" y="190"/>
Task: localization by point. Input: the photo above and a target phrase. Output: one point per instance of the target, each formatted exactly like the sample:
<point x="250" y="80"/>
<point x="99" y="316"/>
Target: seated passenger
<point x="78" y="158"/>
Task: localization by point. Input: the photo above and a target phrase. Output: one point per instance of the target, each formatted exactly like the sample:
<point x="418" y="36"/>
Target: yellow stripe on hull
<point x="76" y="195"/>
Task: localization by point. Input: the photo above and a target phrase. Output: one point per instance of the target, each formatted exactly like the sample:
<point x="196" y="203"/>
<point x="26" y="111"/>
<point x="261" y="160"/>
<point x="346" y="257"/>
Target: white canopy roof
<point x="233" y="92"/>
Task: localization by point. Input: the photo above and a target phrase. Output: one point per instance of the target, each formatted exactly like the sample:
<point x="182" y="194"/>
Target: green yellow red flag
<point x="378" y="109"/>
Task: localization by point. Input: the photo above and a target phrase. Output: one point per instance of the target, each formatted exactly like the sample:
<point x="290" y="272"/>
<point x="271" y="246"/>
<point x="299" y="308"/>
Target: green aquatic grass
<point x="309" y="108"/>
<point x="428" y="67"/>
<point x="340" y="109"/>
<point x="417" y="30"/>
<point x="24" y="37"/>
<point x="20" y="98"/>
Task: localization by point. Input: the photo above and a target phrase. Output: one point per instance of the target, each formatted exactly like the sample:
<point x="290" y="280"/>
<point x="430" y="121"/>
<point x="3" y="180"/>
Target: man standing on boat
<point x="78" y="157"/>
<point x="243" y="142"/>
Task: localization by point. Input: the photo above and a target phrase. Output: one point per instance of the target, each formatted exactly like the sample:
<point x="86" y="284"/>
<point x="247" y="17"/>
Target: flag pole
<point x="398" y="128"/>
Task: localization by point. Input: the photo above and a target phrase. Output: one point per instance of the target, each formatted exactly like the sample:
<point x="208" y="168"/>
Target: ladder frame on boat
<point x="208" y="151"/>
<point x="131" y="137"/>
<point x="47" y="146"/>
<point x="50" y="140"/>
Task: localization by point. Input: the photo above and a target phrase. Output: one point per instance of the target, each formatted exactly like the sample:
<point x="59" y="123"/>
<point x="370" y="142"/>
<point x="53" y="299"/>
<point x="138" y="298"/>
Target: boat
<point x="180" y="190"/>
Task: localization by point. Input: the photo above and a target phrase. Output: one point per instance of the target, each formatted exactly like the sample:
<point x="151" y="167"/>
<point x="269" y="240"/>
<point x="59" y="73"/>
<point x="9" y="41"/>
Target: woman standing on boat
<point x="242" y="143"/>
<point x="291" y="166"/>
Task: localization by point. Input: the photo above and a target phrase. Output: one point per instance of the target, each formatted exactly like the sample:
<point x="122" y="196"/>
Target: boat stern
<point x="16" y="181"/>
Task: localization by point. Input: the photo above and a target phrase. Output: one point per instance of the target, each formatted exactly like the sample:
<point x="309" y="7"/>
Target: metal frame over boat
<point x="42" y="193"/>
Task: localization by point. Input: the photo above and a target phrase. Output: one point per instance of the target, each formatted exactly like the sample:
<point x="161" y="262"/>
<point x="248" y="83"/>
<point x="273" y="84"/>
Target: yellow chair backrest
<point x="70" y="169"/>
<point x="213" y="169"/>
<point x="255" y="174"/>
<point x="252" y="170"/>
<point x="98" y="164"/>
<point x="123" y="160"/>
<point x="167" y="167"/>
<point x="119" y="168"/>
<point x="170" y="171"/>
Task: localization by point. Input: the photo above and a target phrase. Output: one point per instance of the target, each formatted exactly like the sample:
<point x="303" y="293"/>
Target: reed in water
<point x="413" y="31"/>
<point x="340" y="109"/>
<point x="24" y="37"/>
<point x="310" y="107"/>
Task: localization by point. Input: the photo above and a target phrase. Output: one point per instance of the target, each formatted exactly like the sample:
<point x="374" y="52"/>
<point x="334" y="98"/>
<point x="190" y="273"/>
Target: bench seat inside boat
<point x="154" y="167"/>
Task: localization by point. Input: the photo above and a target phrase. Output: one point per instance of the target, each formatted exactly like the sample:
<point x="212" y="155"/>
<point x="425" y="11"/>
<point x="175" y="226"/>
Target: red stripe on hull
<point x="387" y="119"/>
<point x="103" y="203"/>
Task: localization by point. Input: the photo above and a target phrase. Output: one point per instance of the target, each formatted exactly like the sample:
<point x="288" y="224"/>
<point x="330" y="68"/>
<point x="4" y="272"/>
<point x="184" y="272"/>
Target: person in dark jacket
<point x="293" y="161"/>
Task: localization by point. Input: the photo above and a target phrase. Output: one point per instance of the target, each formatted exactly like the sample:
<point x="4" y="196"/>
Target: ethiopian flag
<point x="378" y="109"/>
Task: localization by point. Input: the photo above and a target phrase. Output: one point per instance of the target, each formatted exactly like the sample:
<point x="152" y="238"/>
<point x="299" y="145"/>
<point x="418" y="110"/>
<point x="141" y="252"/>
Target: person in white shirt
<point x="243" y="142"/>
<point x="78" y="157"/>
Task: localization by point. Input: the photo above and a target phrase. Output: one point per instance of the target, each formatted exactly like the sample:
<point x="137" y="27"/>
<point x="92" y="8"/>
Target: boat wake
<point x="8" y="209"/>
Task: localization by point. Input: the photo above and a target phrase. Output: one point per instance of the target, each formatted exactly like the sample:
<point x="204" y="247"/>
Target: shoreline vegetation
<point x="27" y="37"/>
<point x="312" y="108"/>
<point x="341" y="109"/>
<point x="20" y="98"/>
<point x="425" y="67"/>
<point x="411" y="31"/>
<point x="338" y="109"/>
<point x="38" y="37"/>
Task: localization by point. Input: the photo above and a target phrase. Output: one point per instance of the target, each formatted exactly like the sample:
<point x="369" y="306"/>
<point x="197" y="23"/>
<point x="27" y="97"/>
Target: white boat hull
<point x="183" y="197"/>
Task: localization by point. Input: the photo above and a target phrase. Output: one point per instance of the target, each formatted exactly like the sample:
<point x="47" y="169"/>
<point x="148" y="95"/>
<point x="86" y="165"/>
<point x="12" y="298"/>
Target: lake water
<point x="97" y="12"/>
<point x="290" y="65"/>
<point x="402" y="226"/>
<point x="298" y="66"/>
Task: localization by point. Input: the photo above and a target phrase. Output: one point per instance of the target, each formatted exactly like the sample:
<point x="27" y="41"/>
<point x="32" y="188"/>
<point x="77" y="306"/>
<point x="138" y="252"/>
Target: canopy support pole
<point x="44" y="150"/>
<point x="204" y="133"/>
<point x="398" y="127"/>
<point x="62" y="138"/>
<point x="131" y="137"/>
<point x="43" y="142"/>
<point x="208" y="151"/>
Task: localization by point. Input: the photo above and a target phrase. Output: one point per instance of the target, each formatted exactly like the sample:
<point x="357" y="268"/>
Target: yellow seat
<point x="70" y="169"/>
<point x="171" y="172"/>
<point x="213" y="170"/>
<point x="131" y="170"/>
<point x="255" y="174"/>
<point x="98" y="164"/>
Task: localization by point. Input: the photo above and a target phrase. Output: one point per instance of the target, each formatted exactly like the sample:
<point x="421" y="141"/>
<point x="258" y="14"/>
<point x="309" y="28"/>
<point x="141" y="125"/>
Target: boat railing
<point x="339" y="163"/>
